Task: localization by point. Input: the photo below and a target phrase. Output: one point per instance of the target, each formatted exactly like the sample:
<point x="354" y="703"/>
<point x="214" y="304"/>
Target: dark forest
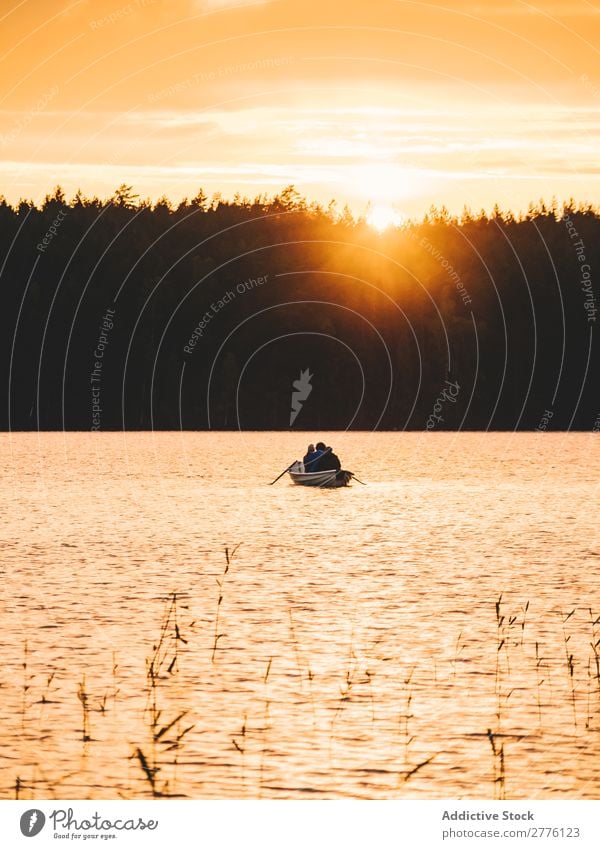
<point x="123" y="314"/>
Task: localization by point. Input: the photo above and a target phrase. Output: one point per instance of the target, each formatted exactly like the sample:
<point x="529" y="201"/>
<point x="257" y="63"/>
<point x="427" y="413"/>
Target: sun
<point x="381" y="185"/>
<point x="382" y="216"/>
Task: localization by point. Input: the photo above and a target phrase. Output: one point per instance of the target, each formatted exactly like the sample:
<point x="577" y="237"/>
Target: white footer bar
<point x="301" y="824"/>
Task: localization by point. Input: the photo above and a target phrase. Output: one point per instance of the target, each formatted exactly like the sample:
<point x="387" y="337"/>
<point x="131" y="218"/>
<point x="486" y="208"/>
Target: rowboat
<point x="326" y="479"/>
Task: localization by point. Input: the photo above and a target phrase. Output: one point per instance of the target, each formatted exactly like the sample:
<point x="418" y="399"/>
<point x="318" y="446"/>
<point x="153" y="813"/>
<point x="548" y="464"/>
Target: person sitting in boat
<point x="316" y="460"/>
<point x="310" y="458"/>
<point x="329" y="461"/>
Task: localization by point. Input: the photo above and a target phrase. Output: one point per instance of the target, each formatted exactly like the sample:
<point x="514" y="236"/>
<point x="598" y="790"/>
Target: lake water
<point x="429" y="635"/>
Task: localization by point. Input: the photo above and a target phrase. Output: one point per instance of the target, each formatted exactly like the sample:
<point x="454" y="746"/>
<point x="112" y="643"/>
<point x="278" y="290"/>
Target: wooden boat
<point x="328" y="479"/>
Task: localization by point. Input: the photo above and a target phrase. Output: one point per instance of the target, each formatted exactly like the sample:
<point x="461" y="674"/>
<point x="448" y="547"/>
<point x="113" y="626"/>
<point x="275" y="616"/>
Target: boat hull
<point x="325" y="480"/>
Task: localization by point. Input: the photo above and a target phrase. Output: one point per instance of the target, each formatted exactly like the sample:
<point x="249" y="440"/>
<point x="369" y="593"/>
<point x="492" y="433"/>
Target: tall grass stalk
<point x="239" y="743"/>
<point x="500" y="640"/>
<point x="229" y="555"/>
<point x="115" y="686"/>
<point x="499" y="766"/>
<point x="405" y="718"/>
<point x="593" y="663"/>
<point x="570" y="663"/>
<point x="458" y="648"/>
<point x="524" y="609"/>
<point x="27" y="678"/>
<point x="45" y="700"/>
<point x="161" y="667"/>
<point x="539" y="661"/>
<point x="83" y="697"/>
<point x="266" y="727"/>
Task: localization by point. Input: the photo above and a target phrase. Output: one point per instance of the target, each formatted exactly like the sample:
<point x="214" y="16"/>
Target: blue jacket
<point x="311" y="461"/>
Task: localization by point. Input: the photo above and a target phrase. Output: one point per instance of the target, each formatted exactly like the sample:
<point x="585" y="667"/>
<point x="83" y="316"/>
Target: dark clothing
<point x="311" y="461"/>
<point x="329" y="462"/>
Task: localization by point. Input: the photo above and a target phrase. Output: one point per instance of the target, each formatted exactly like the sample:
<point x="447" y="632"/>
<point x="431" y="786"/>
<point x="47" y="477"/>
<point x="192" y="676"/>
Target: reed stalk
<point x="239" y="743"/>
<point x="25" y="686"/>
<point x="266" y="727"/>
<point x="593" y="665"/>
<point x="458" y="648"/>
<point x="229" y="555"/>
<point x="570" y="663"/>
<point x="410" y="769"/>
<point x="83" y="697"/>
<point x="539" y="660"/>
<point x="405" y="717"/>
<point x="45" y="700"/>
<point x="162" y="666"/>
<point x="524" y="609"/>
<point x="499" y="766"/>
<point x="115" y="687"/>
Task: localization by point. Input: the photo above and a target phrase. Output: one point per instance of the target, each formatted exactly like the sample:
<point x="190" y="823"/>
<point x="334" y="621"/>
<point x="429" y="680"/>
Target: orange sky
<point x="403" y="104"/>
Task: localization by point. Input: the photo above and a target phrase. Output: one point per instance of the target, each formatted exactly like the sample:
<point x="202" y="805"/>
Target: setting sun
<point x="381" y="217"/>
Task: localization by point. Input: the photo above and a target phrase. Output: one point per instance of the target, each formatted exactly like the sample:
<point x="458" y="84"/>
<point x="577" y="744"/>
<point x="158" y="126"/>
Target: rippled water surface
<point x="431" y="634"/>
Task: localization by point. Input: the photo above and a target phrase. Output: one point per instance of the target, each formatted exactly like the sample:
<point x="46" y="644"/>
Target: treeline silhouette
<point x="127" y="314"/>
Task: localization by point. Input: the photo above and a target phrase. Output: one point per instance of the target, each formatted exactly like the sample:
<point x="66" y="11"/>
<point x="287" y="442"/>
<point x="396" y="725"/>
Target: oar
<point x="357" y="479"/>
<point x="283" y="473"/>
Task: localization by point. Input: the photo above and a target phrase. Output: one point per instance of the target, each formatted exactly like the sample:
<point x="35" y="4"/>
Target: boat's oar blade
<point x="357" y="479"/>
<point x="283" y="473"/>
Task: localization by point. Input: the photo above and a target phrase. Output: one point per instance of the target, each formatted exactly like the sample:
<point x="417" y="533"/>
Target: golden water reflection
<point x="433" y="634"/>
